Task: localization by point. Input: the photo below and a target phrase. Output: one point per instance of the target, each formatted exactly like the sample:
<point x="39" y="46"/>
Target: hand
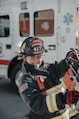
<point x="71" y="97"/>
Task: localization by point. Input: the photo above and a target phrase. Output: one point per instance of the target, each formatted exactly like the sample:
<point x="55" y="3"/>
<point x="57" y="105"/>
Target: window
<point x="24" y="24"/>
<point x="44" y="23"/>
<point x="4" y="26"/>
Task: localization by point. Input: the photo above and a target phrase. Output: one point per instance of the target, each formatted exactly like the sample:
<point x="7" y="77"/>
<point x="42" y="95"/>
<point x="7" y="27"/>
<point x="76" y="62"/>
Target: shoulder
<point x="23" y="77"/>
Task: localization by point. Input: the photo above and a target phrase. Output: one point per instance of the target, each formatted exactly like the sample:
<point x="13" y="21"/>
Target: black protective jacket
<point x="39" y="89"/>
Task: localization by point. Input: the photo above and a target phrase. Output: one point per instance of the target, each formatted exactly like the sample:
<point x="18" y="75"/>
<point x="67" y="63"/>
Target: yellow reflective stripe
<point x="51" y="102"/>
<point x="48" y="103"/>
<point x="58" y="117"/>
<point x="65" y="115"/>
<point x="51" y="97"/>
<point x="54" y="102"/>
<point x="56" y="89"/>
<point x="73" y="113"/>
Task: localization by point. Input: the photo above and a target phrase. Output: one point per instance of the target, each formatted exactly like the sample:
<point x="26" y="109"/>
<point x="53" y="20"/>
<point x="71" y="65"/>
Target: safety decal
<point x="68" y="18"/>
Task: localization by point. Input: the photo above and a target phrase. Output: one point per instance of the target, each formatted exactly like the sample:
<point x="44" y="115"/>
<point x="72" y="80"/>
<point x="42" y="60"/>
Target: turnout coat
<point x="40" y="90"/>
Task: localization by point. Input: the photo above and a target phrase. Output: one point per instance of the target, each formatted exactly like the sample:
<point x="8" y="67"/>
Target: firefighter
<point x="40" y="87"/>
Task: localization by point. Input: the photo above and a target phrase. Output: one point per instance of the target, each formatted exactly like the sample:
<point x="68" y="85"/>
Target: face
<point x="35" y="60"/>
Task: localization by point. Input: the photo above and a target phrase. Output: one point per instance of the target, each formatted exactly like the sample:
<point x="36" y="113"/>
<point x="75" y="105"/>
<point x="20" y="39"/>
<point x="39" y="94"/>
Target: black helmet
<point x="32" y="46"/>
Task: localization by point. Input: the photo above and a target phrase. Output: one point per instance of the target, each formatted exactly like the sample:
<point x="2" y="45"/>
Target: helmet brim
<point x="41" y="54"/>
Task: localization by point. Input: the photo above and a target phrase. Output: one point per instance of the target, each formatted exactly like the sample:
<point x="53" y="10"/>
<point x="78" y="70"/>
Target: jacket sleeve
<point x="62" y="67"/>
<point x="29" y="92"/>
<point x="58" y="69"/>
<point x="38" y="102"/>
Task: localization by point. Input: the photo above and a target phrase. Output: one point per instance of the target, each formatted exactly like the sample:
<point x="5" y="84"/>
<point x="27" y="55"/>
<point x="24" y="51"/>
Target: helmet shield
<point x="32" y="46"/>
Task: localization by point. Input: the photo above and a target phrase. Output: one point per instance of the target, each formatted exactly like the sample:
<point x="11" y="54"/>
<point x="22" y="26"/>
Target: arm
<point x="62" y="68"/>
<point x="31" y="94"/>
<point x="38" y="102"/>
<point x="58" y="69"/>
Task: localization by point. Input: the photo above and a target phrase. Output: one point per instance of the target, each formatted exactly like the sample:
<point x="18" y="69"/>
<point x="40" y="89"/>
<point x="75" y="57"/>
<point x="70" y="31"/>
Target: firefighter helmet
<point x="32" y="46"/>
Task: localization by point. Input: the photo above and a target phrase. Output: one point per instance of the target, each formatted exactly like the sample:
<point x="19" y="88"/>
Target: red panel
<point x="4" y="62"/>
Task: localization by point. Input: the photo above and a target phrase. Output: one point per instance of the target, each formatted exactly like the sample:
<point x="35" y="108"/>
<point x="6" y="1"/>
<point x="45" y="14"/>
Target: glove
<point x="71" y="97"/>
